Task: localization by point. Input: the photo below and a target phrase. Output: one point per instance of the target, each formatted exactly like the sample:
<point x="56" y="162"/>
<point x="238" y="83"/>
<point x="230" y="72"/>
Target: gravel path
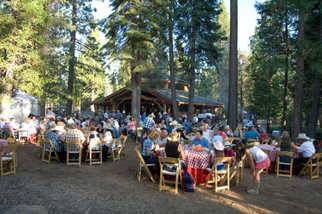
<point x="113" y="188"/>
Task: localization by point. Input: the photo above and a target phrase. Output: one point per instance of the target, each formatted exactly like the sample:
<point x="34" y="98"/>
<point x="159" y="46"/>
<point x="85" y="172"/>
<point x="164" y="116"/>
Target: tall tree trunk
<point x="233" y="65"/>
<point x="192" y="66"/>
<point x="136" y="94"/>
<point x="72" y="59"/>
<point x="298" y="95"/>
<point x="316" y="89"/>
<point x="284" y="113"/>
<point x="171" y="63"/>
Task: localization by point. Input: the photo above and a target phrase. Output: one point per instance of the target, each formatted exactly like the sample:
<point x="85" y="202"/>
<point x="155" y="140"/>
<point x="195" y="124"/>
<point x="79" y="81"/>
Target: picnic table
<point x="197" y="163"/>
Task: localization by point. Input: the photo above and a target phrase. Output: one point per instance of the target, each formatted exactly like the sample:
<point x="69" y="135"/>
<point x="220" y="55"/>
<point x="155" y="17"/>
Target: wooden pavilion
<point x="154" y="100"/>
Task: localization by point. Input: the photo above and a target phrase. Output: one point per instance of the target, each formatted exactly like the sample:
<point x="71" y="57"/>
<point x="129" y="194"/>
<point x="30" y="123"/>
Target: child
<point x="259" y="161"/>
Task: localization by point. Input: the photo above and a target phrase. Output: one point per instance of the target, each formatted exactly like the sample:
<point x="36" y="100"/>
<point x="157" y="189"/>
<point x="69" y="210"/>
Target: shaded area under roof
<point x="182" y="97"/>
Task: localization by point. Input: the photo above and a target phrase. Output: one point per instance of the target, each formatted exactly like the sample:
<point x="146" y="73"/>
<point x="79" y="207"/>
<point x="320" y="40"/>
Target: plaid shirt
<point x="148" y="123"/>
<point x="54" y="137"/>
<point x="148" y="145"/>
<point x="73" y="135"/>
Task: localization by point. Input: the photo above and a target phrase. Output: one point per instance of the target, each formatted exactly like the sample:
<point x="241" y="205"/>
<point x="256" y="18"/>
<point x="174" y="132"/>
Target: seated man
<point x="200" y="140"/>
<point x="149" y="146"/>
<point x="162" y="140"/>
<point x="73" y="134"/>
<point x="305" y="151"/>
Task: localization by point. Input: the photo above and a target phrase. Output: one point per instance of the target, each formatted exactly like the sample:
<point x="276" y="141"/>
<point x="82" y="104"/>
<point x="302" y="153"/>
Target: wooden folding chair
<point x="312" y="167"/>
<point x="237" y="172"/>
<point x="74" y="153"/>
<point x="95" y="153"/>
<point x="143" y="165"/>
<point x="117" y="148"/>
<point x="48" y="151"/>
<point x="41" y="142"/>
<point x="221" y="177"/>
<point x="166" y="166"/>
<point x="123" y="148"/>
<point x="8" y="162"/>
<point x="13" y="143"/>
<point x="281" y="165"/>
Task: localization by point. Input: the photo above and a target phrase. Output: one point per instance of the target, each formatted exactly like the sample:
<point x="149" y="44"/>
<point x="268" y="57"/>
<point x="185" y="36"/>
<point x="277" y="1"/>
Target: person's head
<point x="302" y="138"/>
<point x="153" y="135"/>
<point x="93" y="128"/>
<point x="285" y="137"/>
<point x="71" y="126"/>
<point x="199" y="134"/>
<point x="164" y="133"/>
<point x="173" y="138"/>
<point x="204" y="125"/>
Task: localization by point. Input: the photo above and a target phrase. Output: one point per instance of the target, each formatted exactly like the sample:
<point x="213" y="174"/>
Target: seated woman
<point x="285" y="142"/>
<point x="173" y="146"/>
<point x="149" y="146"/>
<point x="259" y="160"/>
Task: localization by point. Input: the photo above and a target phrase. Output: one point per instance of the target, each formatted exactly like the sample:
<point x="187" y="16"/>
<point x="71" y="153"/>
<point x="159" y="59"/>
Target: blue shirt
<point x="148" y="123"/>
<point x="203" y="142"/>
<point x="252" y="134"/>
<point x="148" y="145"/>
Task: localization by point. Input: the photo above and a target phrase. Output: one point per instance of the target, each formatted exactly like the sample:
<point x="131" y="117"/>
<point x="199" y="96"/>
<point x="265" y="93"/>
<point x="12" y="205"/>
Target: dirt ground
<point x="113" y="188"/>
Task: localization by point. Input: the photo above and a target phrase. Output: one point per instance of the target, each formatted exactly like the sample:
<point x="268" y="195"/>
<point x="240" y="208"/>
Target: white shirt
<point x="307" y="149"/>
<point x="258" y="154"/>
<point x="218" y="144"/>
<point x="207" y="134"/>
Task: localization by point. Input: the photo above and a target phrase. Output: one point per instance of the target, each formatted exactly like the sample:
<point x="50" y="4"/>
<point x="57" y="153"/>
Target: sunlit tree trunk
<point x="233" y="65"/>
<point x="72" y="59"/>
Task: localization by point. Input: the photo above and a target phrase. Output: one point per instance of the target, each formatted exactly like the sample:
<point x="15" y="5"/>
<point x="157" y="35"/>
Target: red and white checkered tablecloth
<point x="197" y="160"/>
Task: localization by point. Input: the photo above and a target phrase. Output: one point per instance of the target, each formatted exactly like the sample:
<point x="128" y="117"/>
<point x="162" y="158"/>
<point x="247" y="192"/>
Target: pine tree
<point x="130" y="29"/>
<point x="199" y="30"/>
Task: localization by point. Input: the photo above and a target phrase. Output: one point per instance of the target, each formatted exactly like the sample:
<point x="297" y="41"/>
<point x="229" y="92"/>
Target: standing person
<point x="305" y="151"/>
<point x="259" y="161"/>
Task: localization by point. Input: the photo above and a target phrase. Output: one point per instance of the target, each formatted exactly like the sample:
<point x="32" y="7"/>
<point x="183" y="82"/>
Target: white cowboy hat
<point x="302" y="136"/>
<point x="219" y="145"/>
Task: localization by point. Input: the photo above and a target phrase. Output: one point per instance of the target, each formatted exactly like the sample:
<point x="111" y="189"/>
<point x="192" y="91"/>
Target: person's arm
<point x="295" y="146"/>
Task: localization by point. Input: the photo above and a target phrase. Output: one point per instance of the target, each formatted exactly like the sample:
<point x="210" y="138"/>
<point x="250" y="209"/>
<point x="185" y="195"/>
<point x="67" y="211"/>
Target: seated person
<point x="73" y="135"/>
<point x="200" y="140"/>
<point x="173" y="147"/>
<point x="149" y="146"/>
<point x="163" y="137"/>
<point x="218" y="145"/>
<point x="305" y="151"/>
<point x="52" y="134"/>
<point x="251" y="133"/>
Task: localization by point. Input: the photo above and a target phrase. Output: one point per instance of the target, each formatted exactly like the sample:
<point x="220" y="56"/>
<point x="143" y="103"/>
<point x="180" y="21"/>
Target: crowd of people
<point x="161" y="132"/>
